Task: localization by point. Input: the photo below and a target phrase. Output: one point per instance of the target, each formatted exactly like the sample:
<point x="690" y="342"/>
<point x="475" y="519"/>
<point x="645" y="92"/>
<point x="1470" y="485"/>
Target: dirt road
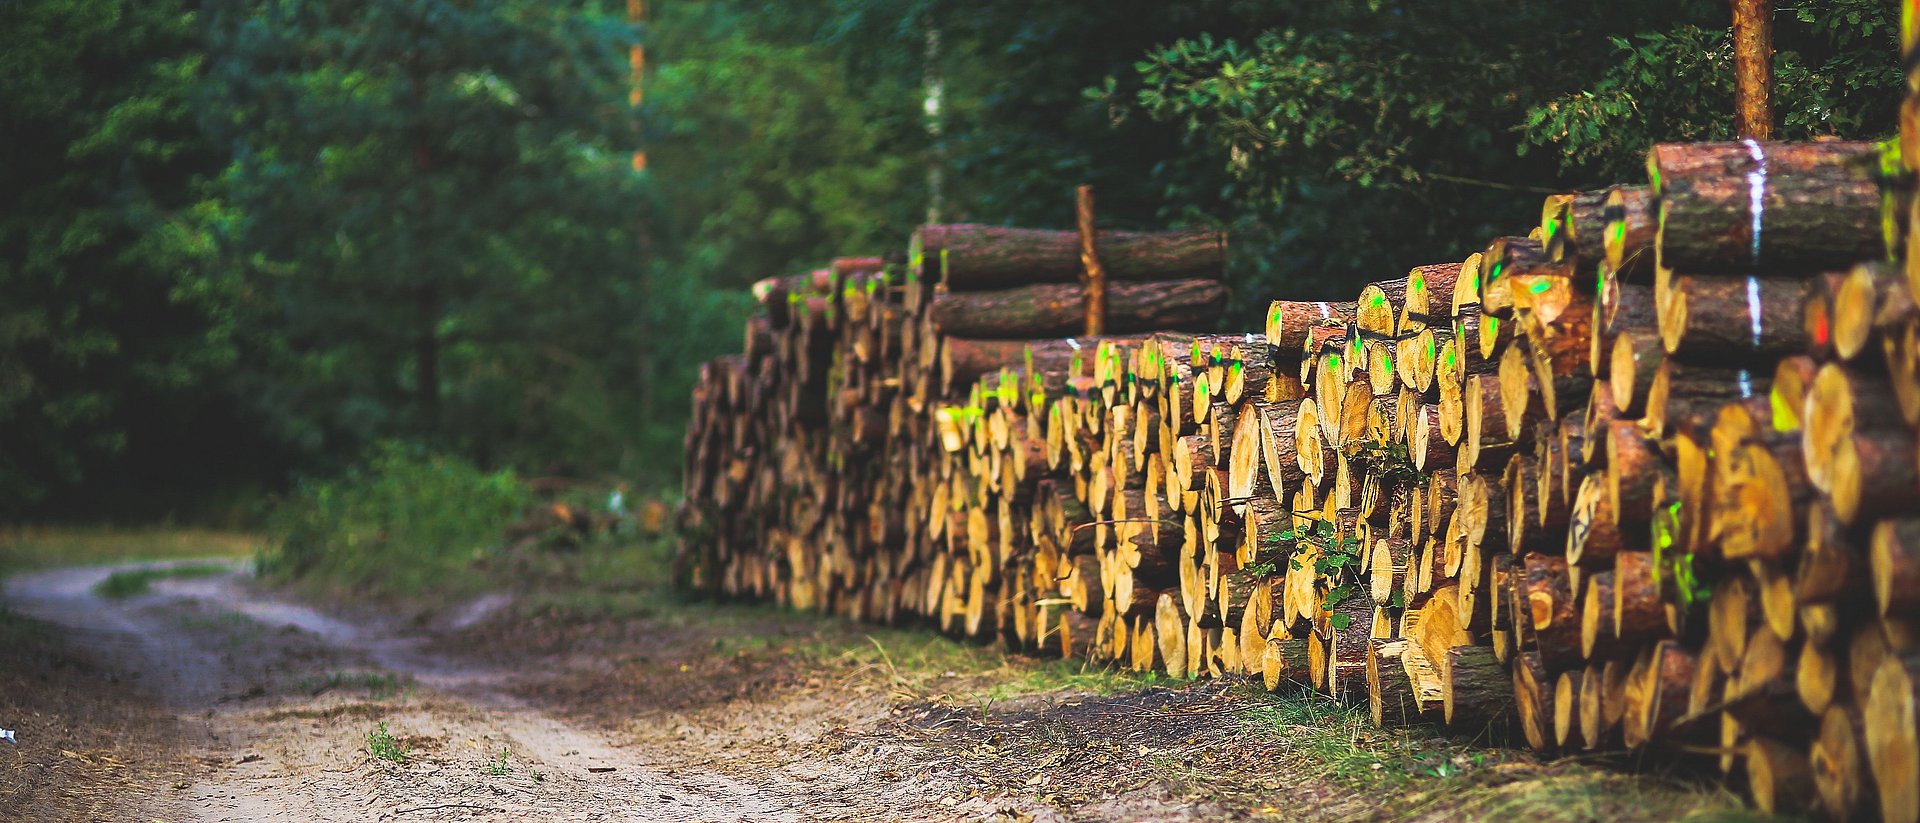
<point x="278" y="701"/>
<point x="214" y="698"/>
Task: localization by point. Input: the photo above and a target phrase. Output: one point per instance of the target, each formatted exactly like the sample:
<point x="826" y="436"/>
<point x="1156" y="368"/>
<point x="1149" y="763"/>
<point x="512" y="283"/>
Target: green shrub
<point x="383" y="745"/>
<point x="402" y="522"/>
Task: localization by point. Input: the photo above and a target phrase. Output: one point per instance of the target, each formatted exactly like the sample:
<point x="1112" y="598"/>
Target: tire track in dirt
<point x="278" y="700"/>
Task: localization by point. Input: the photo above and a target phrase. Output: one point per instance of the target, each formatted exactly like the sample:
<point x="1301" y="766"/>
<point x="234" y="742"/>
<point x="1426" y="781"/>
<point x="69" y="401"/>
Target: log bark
<point x="1056" y="310"/>
<point x="1733" y="320"/>
<point x="1895" y="562"/>
<point x="1429" y="296"/>
<point x="1582" y="228"/>
<point x="1839" y="764"/>
<point x="1753" y="70"/>
<point x="1633" y="222"/>
<point x="1855" y="447"/>
<point x="964" y="361"/>
<point x="1638" y="612"/>
<point x="1477" y="694"/>
<point x="1779" y="776"/>
<point x="1553" y="611"/>
<point x="1533" y="700"/>
<point x="1285" y="659"/>
<point x="1093" y="274"/>
<point x="1289" y="323"/>
<point x="1807" y="218"/>
<point x="1602" y="703"/>
<point x="1393" y="697"/>
<point x="1633" y="466"/>
<point x="1657" y="691"/>
<point x="1893" y="750"/>
<point x="970" y="257"/>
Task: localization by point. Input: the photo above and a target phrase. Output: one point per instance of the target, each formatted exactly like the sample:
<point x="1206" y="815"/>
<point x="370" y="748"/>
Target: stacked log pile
<point x="1643" y="478"/>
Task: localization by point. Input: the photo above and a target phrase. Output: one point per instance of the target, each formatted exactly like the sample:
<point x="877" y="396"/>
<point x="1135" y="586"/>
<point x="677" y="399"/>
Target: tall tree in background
<point x="434" y="218"/>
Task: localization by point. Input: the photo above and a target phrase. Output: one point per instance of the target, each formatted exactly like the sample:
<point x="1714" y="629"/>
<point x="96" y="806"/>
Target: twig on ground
<point x="439" y="806"/>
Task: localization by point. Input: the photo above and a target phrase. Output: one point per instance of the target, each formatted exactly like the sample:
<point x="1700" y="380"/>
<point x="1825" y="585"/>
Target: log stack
<point x="1643" y="478"/>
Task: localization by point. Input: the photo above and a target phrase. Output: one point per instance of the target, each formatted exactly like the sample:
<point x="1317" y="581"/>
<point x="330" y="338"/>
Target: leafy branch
<point x="1335" y="558"/>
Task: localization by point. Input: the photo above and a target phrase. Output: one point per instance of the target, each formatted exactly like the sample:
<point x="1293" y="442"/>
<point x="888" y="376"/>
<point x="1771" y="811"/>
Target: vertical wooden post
<point x="637" y="70"/>
<point x="1753" y="68"/>
<point x="1093" y="276"/>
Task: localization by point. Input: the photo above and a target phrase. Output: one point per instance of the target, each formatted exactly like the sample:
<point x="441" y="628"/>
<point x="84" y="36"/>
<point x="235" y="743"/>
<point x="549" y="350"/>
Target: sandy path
<point x="279" y="700"/>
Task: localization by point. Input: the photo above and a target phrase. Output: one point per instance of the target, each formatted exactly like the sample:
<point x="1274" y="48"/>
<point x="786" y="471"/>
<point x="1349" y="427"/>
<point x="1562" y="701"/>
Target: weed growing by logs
<point x="1673" y="570"/>
<point x="1390" y="461"/>
<point x="1336" y="558"/>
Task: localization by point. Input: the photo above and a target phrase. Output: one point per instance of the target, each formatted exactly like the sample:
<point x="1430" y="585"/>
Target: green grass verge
<point x="375" y="685"/>
<point x="134" y="582"/>
<point x="40" y="547"/>
<point x="1434" y="777"/>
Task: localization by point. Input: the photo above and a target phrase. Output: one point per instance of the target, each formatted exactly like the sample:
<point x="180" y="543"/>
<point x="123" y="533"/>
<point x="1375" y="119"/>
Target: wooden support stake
<point x="1753" y="68"/>
<point x="1093" y="276"/>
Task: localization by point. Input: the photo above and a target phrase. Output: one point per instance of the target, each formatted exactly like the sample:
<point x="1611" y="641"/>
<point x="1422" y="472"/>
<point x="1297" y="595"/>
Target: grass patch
<point x="426" y="530"/>
<point x="922" y="664"/>
<point x="382" y="745"/>
<point x="230" y="631"/>
<point x="405" y="522"/>
<point x="1435" y="777"/>
<point x="40" y="547"/>
<point x="133" y="582"/>
<point x="501" y="766"/>
<point x="375" y="685"/>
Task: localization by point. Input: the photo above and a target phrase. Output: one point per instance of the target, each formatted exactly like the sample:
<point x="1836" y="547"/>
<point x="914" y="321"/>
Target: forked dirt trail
<point x="277" y="701"/>
<point x="652" y="709"/>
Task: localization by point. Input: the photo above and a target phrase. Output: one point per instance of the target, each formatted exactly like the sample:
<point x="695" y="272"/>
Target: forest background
<point x="260" y="250"/>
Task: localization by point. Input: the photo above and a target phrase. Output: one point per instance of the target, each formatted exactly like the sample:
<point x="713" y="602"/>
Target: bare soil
<point x="215" y="698"/>
<point x="249" y="707"/>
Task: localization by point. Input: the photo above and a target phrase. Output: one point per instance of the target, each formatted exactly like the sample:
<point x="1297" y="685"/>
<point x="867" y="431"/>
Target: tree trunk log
<point x="1806" y="219"/>
<point x="970" y="257"/>
<point x="1478" y="695"/>
<point x="1893" y="752"/>
<point x="1055" y="310"/>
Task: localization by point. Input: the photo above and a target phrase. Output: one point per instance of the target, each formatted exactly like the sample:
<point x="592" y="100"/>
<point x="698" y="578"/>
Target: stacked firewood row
<point x="1643" y="478"/>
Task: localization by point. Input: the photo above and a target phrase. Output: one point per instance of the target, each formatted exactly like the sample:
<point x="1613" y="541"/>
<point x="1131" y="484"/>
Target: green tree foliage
<point x="433" y="229"/>
<point x="1835" y="75"/>
<point x="1405" y="133"/>
<point x="775" y="153"/>
<point x="103" y="334"/>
